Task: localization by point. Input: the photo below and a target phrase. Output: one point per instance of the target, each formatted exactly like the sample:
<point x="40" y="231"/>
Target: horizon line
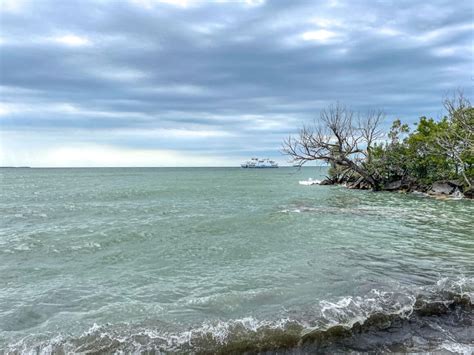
<point x="149" y="167"/>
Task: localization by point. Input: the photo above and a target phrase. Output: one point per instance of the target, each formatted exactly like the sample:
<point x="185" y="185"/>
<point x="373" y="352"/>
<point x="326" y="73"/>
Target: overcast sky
<point x="195" y="83"/>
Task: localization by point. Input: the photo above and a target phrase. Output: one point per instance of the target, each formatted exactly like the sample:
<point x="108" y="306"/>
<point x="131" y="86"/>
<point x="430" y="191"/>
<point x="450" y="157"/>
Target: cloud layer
<point x="183" y="82"/>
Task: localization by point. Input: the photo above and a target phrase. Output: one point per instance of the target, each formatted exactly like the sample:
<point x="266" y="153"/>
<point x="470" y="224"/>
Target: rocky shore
<point x="440" y="189"/>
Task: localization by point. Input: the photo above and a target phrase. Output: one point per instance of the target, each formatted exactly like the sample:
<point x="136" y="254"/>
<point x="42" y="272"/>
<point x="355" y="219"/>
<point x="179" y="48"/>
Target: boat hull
<point x="259" y="167"/>
<point x="256" y="163"/>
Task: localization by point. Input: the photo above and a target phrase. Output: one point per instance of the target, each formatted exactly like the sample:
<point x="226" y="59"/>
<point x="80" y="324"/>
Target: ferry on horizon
<point x="256" y="163"/>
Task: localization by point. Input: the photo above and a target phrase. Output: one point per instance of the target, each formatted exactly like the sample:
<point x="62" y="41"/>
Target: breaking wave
<point x="438" y="317"/>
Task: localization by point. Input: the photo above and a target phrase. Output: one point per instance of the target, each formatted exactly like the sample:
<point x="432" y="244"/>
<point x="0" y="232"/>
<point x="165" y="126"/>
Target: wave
<point x="309" y="182"/>
<point x="438" y="317"/>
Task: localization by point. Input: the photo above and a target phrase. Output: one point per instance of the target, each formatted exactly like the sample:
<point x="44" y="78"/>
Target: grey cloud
<point x="226" y="66"/>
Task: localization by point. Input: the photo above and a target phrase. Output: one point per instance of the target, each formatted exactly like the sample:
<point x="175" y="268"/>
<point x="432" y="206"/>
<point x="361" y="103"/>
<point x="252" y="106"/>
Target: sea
<point x="229" y="260"/>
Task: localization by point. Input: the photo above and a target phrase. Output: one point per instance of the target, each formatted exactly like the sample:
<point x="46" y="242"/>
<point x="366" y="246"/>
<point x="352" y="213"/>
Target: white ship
<point x="259" y="163"/>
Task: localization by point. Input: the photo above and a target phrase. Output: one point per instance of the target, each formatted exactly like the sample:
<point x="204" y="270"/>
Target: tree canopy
<point x="357" y="149"/>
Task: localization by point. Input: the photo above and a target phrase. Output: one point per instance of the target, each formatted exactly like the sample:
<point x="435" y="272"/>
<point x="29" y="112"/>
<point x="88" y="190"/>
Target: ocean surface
<point x="220" y="260"/>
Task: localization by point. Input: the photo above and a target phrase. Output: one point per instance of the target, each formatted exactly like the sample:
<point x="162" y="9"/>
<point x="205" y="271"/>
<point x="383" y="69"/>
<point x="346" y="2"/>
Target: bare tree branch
<point x="339" y="137"/>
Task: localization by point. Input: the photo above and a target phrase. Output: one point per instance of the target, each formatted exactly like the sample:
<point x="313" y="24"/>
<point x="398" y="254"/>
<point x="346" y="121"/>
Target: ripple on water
<point x="154" y="255"/>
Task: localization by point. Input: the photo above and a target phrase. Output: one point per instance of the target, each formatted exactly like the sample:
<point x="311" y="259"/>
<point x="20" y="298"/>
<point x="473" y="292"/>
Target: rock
<point x="425" y="308"/>
<point x="394" y="185"/>
<point x="414" y="187"/>
<point x="326" y="182"/>
<point x="364" y="185"/>
<point x="457" y="194"/>
<point x="442" y="188"/>
<point x="469" y="193"/>
<point x="455" y="183"/>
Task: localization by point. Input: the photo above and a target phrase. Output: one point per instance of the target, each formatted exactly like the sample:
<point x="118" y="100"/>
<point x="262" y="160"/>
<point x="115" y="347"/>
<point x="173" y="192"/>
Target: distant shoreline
<point x="15" y="167"/>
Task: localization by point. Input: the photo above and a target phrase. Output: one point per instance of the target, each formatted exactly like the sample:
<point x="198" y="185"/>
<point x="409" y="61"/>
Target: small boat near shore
<point x="256" y="163"/>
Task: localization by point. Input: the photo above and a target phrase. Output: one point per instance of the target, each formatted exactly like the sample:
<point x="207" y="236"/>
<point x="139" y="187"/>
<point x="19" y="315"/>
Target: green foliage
<point x="397" y="130"/>
<point x="435" y="150"/>
<point x="426" y="161"/>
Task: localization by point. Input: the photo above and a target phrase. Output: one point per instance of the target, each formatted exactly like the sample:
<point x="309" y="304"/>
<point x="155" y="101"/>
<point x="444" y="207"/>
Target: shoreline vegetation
<point x="436" y="157"/>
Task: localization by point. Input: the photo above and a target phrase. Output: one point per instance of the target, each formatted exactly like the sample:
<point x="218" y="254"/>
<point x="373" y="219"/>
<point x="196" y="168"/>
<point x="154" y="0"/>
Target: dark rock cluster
<point x="448" y="188"/>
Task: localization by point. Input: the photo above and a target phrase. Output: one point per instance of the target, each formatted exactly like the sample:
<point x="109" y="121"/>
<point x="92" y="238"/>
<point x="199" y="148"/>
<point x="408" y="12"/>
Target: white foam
<point x="309" y="182"/>
<point x="346" y="311"/>
<point x="457" y="195"/>
<point x="351" y="310"/>
<point x="457" y="348"/>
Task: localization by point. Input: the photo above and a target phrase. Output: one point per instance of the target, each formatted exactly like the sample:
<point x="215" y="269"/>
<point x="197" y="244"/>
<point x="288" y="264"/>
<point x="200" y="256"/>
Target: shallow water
<point x="224" y="259"/>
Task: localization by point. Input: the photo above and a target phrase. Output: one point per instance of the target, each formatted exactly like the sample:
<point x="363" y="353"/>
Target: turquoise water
<point x="195" y="259"/>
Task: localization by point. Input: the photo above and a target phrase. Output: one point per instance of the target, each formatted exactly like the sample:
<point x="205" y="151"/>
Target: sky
<point x="213" y="83"/>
